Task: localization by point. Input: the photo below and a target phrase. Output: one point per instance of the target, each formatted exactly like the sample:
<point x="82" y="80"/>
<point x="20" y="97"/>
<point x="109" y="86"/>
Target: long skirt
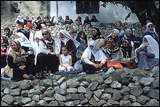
<point x="51" y="61"/>
<point x="144" y="62"/>
<point x="89" y="69"/>
<point x="18" y="73"/>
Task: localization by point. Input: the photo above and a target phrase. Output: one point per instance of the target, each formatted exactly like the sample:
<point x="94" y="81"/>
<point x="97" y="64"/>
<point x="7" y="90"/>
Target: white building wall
<point x="106" y="15"/>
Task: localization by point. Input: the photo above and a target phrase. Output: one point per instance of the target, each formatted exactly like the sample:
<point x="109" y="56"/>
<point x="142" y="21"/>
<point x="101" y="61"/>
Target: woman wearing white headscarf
<point x="19" y="20"/>
<point x="64" y="38"/>
<point x="114" y="35"/>
<point x="147" y="55"/>
<point x="33" y="19"/>
<point x="93" y="57"/>
<point x="150" y="30"/>
<point x="60" y="20"/>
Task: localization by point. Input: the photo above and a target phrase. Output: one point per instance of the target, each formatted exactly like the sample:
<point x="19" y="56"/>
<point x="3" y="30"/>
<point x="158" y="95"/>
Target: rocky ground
<point x="121" y="87"/>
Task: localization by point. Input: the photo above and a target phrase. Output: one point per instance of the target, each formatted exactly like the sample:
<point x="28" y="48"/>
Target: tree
<point x="141" y="8"/>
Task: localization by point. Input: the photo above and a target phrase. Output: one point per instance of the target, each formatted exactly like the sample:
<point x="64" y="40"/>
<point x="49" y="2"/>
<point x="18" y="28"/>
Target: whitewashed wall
<point x="106" y="15"/>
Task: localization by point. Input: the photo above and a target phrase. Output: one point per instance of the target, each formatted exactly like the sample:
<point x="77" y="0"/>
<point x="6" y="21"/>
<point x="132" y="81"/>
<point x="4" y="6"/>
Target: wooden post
<point x="57" y="10"/>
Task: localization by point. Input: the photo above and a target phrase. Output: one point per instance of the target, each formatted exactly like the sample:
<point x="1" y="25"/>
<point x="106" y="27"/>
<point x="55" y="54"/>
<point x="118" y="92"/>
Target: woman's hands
<point x="98" y="65"/>
<point x="22" y="67"/>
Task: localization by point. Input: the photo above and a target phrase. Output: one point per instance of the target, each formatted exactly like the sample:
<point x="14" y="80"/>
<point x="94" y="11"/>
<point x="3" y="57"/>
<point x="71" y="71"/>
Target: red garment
<point x="114" y="64"/>
<point x="29" y="25"/>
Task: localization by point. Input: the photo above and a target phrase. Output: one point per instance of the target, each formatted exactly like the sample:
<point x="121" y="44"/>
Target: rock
<point x="101" y="102"/>
<point x="84" y="101"/>
<point x="8" y="99"/>
<point x="146" y="80"/>
<point x="72" y="97"/>
<point x="154" y="94"/>
<point x="155" y="84"/>
<point x="72" y="90"/>
<point x="125" y="103"/>
<point x="69" y="103"/>
<point x="80" y="78"/>
<point x="109" y="90"/>
<point x="142" y="99"/>
<point x="49" y="92"/>
<point x="63" y="85"/>
<point x="26" y="100"/>
<point x="81" y="96"/>
<point x="46" y="83"/>
<point x="61" y="80"/>
<point x="93" y="86"/>
<point x="126" y="80"/>
<point x="84" y="84"/>
<point x="59" y="97"/>
<point x="132" y="98"/>
<point x="34" y="82"/>
<point x="32" y="103"/>
<point x="136" y="104"/>
<point x="93" y="102"/>
<point x="41" y="103"/>
<point x="117" y="77"/>
<point x="125" y="91"/>
<point x="115" y="84"/>
<point x="15" y="85"/>
<point x="48" y="99"/>
<point x="98" y="93"/>
<point x="112" y="102"/>
<point x="61" y="103"/>
<point x="108" y="80"/>
<point x="116" y="96"/>
<point x="95" y="97"/>
<point x="24" y="93"/>
<point x="105" y="76"/>
<point x="100" y="80"/>
<point x="72" y="83"/>
<point x="136" y="91"/>
<point x="35" y="98"/>
<point x="24" y="85"/>
<point x="2" y="94"/>
<point x="88" y="94"/>
<point x="6" y="90"/>
<point x="106" y="96"/>
<point x="76" y="102"/>
<point x="81" y="89"/>
<point x="146" y="89"/>
<point x="31" y="93"/>
<point x="53" y="103"/>
<point x="60" y="91"/>
<point x="153" y="102"/>
<point x="110" y="70"/>
<point x="15" y="91"/>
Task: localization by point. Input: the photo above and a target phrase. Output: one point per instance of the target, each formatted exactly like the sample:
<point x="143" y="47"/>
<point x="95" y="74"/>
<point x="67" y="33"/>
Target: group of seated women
<point x="29" y="58"/>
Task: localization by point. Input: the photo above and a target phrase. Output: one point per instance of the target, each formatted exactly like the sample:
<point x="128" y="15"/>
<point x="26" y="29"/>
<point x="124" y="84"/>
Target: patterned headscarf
<point x="47" y="33"/>
<point x="113" y="47"/>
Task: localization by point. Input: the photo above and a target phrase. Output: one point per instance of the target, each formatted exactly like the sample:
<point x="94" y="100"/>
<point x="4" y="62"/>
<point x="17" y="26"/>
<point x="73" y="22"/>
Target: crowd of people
<point x="28" y="55"/>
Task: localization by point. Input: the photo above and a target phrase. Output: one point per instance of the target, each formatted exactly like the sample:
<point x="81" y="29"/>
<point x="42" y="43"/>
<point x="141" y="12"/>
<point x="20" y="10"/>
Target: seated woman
<point x="113" y="53"/>
<point x="68" y="20"/>
<point x="82" y="39"/>
<point x="127" y="54"/>
<point x="39" y="20"/>
<point x="147" y="55"/>
<point x="97" y="37"/>
<point x="118" y="25"/>
<point x="94" y="59"/>
<point x="60" y="20"/>
<point x="94" y="21"/>
<point x="64" y="38"/>
<point x="150" y="30"/>
<point x="135" y="42"/>
<point x="19" y="20"/>
<point x="26" y="20"/>
<point x="33" y="19"/>
<point x="47" y="21"/>
<point x="18" y="64"/>
<point x="26" y="45"/>
<point x="87" y="21"/>
<point x="37" y="26"/>
<point x="78" y="21"/>
<point x="4" y="53"/>
<point x="72" y="31"/>
<point x="47" y="56"/>
<point x="114" y="36"/>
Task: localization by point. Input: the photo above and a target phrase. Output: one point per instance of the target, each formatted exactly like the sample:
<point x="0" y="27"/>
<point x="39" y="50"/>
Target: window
<point x="87" y="7"/>
<point x="14" y="7"/>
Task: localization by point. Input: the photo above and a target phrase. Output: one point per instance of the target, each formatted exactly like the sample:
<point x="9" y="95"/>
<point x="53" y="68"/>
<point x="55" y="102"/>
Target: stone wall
<point x="121" y="87"/>
<point x="30" y="8"/>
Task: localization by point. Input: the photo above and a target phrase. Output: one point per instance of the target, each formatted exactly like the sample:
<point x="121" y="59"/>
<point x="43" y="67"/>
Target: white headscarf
<point x="152" y="46"/>
<point x="96" y="51"/>
<point x="117" y="31"/>
<point x="21" y="20"/>
<point x="23" y="40"/>
<point x="150" y="23"/>
<point x="33" y="19"/>
<point x="66" y="38"/>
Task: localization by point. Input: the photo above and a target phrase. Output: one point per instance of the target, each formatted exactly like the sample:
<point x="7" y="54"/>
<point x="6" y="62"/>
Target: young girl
<point x="65" y="60"/>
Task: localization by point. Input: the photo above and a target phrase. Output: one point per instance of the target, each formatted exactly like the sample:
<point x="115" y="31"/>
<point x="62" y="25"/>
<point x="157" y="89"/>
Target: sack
<point x="114" y="64"/>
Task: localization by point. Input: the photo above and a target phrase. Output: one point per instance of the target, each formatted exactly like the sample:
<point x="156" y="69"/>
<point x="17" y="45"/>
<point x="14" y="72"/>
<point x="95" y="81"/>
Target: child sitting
<point x="65" y="60"/>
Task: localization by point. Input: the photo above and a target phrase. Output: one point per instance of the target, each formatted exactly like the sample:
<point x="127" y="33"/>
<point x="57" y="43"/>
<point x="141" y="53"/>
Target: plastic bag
<point x="114" y="64"/>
